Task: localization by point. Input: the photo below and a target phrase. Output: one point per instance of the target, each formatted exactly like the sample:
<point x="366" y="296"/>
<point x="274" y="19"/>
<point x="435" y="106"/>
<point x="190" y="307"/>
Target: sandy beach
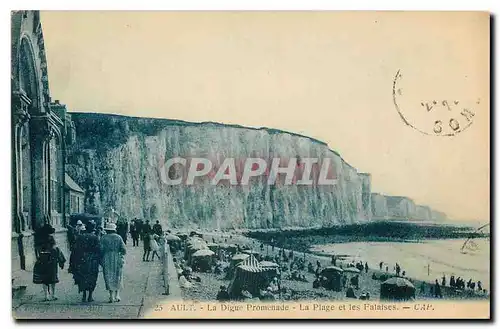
<point x="207" y="289"/>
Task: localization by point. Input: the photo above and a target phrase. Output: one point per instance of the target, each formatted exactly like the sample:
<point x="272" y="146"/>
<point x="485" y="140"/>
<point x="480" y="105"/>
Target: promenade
<point x="143" y="289"/>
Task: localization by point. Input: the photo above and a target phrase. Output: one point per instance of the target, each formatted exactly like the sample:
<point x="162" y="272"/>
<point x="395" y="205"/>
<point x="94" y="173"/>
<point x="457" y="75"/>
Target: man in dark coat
<point x="122" y="230"/>
<point x="157" y="229"/>
<point x="134" y="232"/>
<point x="146" y="239"/>
<point x="85" y="267"/>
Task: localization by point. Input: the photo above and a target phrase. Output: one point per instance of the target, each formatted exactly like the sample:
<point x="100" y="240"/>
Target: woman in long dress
<point x="45" y="270"/>
<point x="113" y="257"/>
<point x="86" y="256"/>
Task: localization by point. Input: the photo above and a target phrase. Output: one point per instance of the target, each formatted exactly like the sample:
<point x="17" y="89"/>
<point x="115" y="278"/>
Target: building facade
<point x="75" y="196"/>
<point x="39" y="137"/>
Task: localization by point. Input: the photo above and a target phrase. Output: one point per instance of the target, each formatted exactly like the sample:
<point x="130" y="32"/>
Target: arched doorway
<point x="37" y="141"/>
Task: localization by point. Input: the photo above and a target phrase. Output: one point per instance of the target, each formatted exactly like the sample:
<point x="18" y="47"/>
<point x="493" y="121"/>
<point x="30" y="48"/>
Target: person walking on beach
<point x="86" y="257"/>
<point x="443" y="281"/>
<point x="380" y="265"/>
<point x="366" y="267"/>
<point x="113" y="258"/>
<point x="437" y="290"/>
<point x="46" y="266"/>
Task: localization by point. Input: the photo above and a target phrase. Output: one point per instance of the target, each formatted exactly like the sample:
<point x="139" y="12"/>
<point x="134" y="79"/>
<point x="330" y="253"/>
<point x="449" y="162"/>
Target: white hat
<point x="79" y="222"/>
<point x="110" y="227"/>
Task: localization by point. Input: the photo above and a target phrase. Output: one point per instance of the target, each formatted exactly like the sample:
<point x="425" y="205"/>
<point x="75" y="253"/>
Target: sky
<point x="322" y="74"/>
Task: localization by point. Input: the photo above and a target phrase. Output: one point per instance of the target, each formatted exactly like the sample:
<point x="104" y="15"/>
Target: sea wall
<point x="118" y="161"/>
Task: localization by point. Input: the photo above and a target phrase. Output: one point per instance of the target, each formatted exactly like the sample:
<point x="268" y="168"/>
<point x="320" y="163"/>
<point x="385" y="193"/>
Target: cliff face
<point x="379" y="206"/>
<point x="118" y="161"/>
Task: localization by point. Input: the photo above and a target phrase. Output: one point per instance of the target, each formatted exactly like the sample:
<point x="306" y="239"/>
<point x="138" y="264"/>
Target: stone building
<point x="41" y="131"/>
<point x="75" y="196"/>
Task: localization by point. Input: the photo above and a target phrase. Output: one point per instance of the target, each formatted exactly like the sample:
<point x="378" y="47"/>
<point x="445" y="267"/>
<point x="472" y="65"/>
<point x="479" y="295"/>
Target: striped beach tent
<point x="249" y="276"/>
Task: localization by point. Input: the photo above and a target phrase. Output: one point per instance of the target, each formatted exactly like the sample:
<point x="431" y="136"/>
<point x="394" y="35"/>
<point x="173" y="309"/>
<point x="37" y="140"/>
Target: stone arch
<point x="27" y="74"/>
<point x="29" y="62"/>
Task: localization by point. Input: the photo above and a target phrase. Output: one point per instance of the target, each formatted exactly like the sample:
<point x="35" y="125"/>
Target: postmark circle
<point x="431" y="114"/>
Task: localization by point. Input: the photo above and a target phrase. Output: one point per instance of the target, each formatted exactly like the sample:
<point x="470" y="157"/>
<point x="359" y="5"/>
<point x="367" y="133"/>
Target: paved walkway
<point x="143" y="288"/>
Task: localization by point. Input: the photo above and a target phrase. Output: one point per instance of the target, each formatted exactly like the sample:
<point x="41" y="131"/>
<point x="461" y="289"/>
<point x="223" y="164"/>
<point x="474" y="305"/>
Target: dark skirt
<point x="85" y="261"/>
<point x="46" y="266"/>
<point x="85" y="271"/>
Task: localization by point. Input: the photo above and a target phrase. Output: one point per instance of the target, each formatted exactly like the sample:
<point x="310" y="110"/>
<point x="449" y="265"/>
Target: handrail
<point x="164" y="259"/>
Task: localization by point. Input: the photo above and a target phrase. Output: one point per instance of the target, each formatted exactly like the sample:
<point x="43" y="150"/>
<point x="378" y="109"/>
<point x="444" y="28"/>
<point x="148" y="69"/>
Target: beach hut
<point x="352" y="270"/>
<point x="249" y="276"/>
<point x="232" y="248"/>
<point x="397" y="288"/>
<point x="183" y="236"/>
<point x="192" y="246"/>
<point x="333" y="278"/>
<point x="173" y="241"/>
<point x="202" y="260"/>
<point x="272" y="269"/>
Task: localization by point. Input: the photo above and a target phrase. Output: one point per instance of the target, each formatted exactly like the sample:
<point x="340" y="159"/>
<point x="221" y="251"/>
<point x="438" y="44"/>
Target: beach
<point x="422" y="260"/>
<point x="412" y="258"/>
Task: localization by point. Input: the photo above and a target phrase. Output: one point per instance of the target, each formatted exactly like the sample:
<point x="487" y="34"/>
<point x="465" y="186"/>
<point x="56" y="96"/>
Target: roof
<point x="70" y="184"/>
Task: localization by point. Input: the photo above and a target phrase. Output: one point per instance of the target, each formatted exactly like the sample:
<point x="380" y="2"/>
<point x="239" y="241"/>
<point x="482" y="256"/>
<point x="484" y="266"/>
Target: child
<point x="45" y="270"/>
<point x="155" y="247"/>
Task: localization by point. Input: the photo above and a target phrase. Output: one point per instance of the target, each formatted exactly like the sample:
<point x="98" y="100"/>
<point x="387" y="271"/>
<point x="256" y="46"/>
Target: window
<point x="74" y="204"/>
<point x="55" y="186"/>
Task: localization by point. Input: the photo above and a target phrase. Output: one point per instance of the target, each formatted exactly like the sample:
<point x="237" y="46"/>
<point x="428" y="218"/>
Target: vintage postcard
<point x="250" y="165"/>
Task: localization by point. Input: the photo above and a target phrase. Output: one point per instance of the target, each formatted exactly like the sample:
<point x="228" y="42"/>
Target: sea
<point x="422" y="260"/>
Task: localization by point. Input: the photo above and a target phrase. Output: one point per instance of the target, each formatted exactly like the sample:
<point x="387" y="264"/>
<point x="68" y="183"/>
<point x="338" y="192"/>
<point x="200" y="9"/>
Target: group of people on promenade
<point x="90" y="248"/>
<point x="150" y="236"/>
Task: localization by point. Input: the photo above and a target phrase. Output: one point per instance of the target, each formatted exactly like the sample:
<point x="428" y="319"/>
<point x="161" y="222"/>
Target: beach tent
<point x="172" y="237"/>
<point x="202" y="260"/>
<point x="229" y="247"/>
<point x="249" y="276"/>
<point x="192" y="246"/>
<point x="333" y="276"/>
<point x="397" y="288"/>
<point x="203" y="253"/>
<point x="272" y="269"/>
<point x="183" y="236"/>
<point x="173" y="241"/>
<point x="213" y="246"/>
<point x="352" y="270"/>
<point x="239" y="258"/>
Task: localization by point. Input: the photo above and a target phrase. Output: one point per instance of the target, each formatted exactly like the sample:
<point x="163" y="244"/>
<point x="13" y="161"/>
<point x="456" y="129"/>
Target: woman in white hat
<point x="113" y="257"/>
